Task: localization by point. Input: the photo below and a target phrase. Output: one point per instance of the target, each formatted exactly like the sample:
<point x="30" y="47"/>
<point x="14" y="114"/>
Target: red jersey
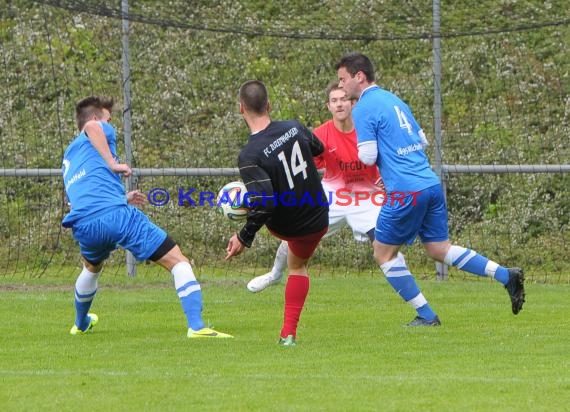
<point x="340" y="160"/>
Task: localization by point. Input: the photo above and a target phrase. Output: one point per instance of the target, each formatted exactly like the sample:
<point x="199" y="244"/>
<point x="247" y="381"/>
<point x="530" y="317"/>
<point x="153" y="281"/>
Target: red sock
<point x="296" y="291"/>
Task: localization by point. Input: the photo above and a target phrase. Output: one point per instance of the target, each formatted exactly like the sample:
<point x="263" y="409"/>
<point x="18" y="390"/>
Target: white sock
<point x="491" y="269"/>
<point x="183" y="274"/>
<point x="85" y="290"/>
<point x="280" y="262"/>
<point x="87" y="282"/>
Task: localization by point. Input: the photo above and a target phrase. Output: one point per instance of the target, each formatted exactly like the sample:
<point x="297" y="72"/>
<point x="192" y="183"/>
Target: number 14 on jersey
<point x="295" y="165"/>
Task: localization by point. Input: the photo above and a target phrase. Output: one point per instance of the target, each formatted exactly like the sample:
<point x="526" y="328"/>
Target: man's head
<point x="337" y="102"/>
<point x="93" y="108"/>
<point x="253" y="98"/>
<point x="355" y="72"/>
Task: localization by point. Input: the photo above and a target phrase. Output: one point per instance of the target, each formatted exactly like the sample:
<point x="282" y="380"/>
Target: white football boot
<point x="259" y="283"/>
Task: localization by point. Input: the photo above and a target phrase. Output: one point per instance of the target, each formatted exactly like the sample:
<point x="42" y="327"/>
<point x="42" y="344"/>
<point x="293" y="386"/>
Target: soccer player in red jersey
<point x="354" y="190"/>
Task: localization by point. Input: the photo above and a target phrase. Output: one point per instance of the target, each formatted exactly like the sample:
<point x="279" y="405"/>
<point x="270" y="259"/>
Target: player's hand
<point x="235" y="247"/>
<point x="136" y="198"/>
<point x="380" y="184"/>
<point x="122" y="168"/>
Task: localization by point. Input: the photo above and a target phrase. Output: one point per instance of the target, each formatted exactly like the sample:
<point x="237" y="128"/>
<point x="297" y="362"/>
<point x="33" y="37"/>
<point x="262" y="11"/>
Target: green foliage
<point x="505" y="96"/>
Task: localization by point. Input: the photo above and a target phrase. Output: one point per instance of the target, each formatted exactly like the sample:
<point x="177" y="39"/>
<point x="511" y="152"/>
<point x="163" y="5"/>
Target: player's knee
<point x="168" y="254"/>
<point x="296" y="264"/>
<point x="452" y="254"/>
<point x="382" y="254"/>
<point x="93" y="267"/>
<point x="439" y="250"/>
<point x="173" y="257"/>
<point x="396" y="260"/>
<point x="378" y="257"/>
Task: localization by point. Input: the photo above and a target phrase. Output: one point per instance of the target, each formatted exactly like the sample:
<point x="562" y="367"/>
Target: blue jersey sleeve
<point x="366" y="123"/>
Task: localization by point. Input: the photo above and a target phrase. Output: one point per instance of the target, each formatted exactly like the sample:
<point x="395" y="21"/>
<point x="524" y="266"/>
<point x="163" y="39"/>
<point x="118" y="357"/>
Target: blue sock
<point x="405" y="286"/>
<point x="192" y="305"/>
<point x="190" y="294"/>
<point x="472" y="262"/>
<point x="502" y="275"/>
<point x="402" y="281"/>
<point x="426" y="312"/>
<point x="82" y="306"/>
<point x="85" y="290"/>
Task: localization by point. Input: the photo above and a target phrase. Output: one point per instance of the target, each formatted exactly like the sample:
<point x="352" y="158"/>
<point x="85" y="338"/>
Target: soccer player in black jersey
<point x="284" y="192"/>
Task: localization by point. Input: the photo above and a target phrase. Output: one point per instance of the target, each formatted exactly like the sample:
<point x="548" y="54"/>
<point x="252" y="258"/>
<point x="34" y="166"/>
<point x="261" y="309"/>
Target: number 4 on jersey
<point x="404" y="123"/>
<point x="298" y="164"/>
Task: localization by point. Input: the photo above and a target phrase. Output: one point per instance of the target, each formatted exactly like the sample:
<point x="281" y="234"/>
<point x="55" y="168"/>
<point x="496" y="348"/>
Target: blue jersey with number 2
<point x="90" y="185"/>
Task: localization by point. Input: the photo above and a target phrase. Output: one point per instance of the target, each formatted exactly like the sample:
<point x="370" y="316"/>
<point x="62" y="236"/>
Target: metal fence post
<point x="440" y="268"/>
<point x="130" y="183"/>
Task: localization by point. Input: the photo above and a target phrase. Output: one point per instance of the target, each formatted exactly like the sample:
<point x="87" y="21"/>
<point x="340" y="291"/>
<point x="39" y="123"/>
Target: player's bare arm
<point x="97" y="138"/>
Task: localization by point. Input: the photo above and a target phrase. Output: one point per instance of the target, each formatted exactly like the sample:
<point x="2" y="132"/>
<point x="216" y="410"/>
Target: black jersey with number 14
<point x="283" y="185"/>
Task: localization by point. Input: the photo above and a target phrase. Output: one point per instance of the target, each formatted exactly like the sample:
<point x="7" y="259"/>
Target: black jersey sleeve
<point x="260" y="197"/>
<point x="315" y="144"/>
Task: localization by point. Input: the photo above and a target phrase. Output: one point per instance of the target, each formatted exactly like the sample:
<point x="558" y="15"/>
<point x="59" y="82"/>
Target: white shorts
<point x="361" y="218"/>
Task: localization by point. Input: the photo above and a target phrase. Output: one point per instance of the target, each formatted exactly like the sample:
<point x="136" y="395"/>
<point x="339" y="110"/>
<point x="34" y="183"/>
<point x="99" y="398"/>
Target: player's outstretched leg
<point x="85" y="290"/>
<point x="400" y="278"/>
<point x="472" y="262"/>
<point x="190" y="294"/>
<point x="259" y="283"/>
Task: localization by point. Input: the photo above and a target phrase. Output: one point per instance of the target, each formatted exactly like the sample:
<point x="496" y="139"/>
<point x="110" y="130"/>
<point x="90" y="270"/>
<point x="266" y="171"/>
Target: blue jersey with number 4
<point x="90" y="185"/>
<point x="382" y="117"/>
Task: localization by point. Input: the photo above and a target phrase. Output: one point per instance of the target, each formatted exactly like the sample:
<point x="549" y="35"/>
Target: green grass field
<point x="353" y="353"/>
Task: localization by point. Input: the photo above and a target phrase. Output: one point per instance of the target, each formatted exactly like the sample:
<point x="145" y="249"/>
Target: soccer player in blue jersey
<point x="343" y="172"/>
<point x="389" y="136"/>
<point x="103" y="218"/>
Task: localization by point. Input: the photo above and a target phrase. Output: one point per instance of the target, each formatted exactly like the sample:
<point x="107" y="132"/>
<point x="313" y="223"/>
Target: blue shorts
<point x="423" y="214"/>
<point x="124" y="226"/>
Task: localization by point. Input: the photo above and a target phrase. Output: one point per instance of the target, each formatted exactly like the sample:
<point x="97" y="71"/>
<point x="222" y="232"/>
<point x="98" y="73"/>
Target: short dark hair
<point x="332" y="86"/>
<point x="355" y="62"/>
<point x="107" y="103"/>
<point x="90" y="106"/>
<point x="253" y="95"/>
